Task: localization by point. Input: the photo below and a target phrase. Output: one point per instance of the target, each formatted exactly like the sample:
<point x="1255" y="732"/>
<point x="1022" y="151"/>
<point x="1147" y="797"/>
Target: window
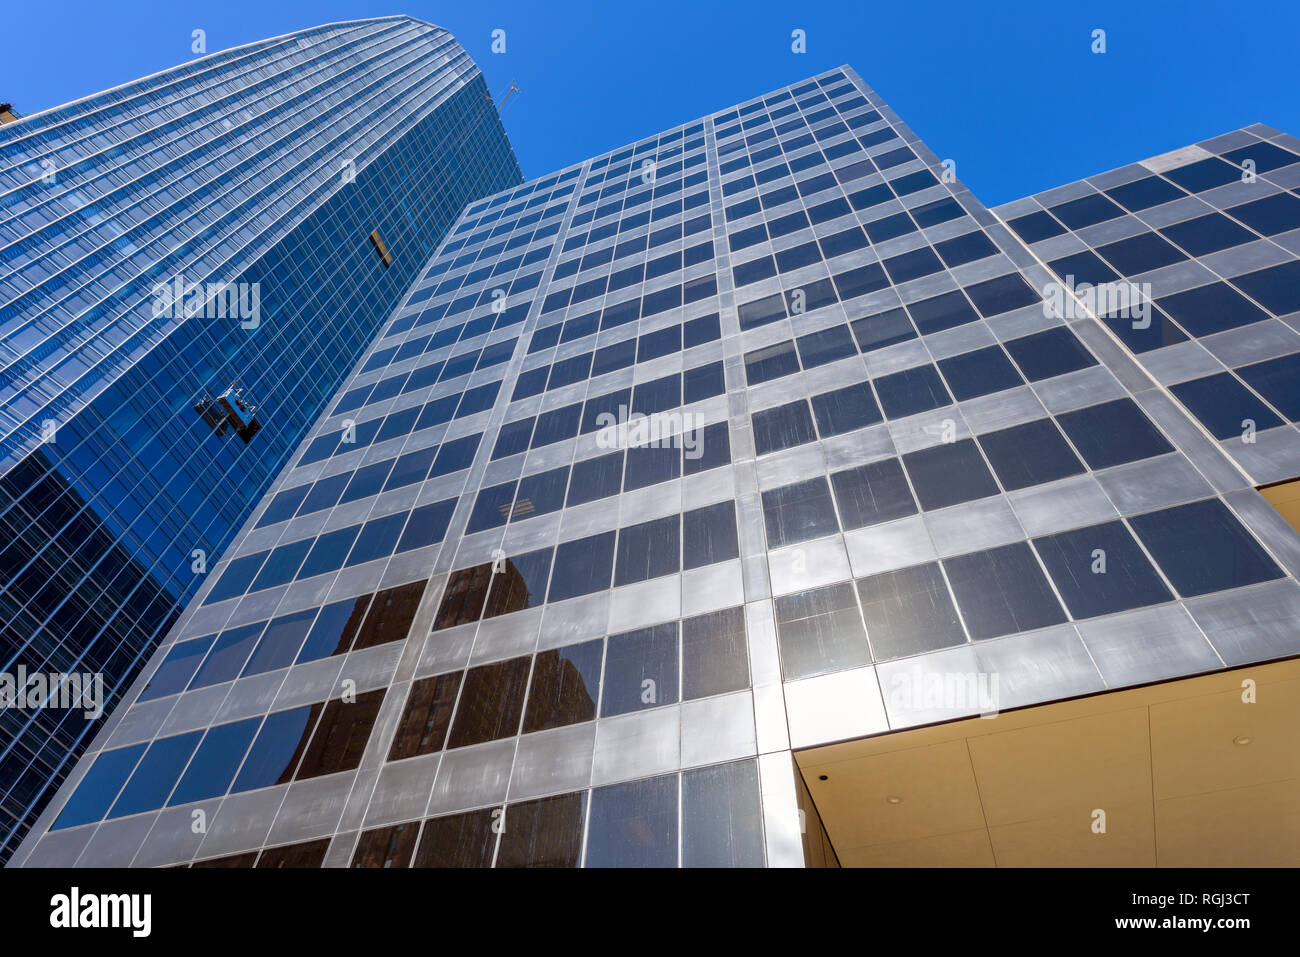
<point x="820" y="631"/>
<point x="1112" y="433"/>
<point x="491" y="702"/>
<point x="426" y="717"/>
<point x="799" y="512"/>
<point x="1051" y="352"/>
<point x="847" y="409"/>
<point x="640" y="670"/>
<point x="582" y="567"/>
<point x="1001" y="591"/>
<point x="783" y="427"/>
<point x="1211" y="308"/>
<point x="882" y="329"/>
<point x="1203" y="548"/>
<point x="634" y="824"/>
<point x="1224" y="405"/>
<point x="1030" y="454"/>
<point x="648" y="550"/>
<point x="709" y="535"/>
<point x="871" y="494"/>
<point x="981" y="372"/>
<point x="341" y="735"/>
<point x="909" y="611"/>
<point x="949" y="474"/>
<point x="564" y="687"/>
<point x="1100" y="570"/>
<point x="715" y="658"/>
<point x="911" y="391"/>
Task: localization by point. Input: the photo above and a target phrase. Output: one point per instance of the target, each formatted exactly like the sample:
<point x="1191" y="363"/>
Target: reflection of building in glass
<point x="187" y="278"/>
<point x="921" y="497"/>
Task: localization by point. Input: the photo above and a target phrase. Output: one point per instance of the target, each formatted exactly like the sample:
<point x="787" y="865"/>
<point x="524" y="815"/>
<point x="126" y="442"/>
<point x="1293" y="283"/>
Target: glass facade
<point x="672" y="463"/>
<point x="290" y="191"/>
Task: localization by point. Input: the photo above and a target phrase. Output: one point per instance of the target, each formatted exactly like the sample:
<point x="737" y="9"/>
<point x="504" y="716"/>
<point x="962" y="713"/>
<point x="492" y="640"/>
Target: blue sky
<point x="1010" y="91"/>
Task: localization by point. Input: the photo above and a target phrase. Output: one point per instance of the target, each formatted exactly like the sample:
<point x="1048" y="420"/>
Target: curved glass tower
<point x="189" y="264"/>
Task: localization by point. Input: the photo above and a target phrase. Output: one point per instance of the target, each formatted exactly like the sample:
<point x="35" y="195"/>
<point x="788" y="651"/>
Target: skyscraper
<point x="190" y="264"/>
<point x="747" y="495"/>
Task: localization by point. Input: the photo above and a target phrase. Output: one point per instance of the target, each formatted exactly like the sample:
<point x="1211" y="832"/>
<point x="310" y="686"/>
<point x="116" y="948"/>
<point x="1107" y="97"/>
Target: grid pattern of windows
<point x="235" y="168"/>
<point x="1212" y="241"/>
<point x="784" y="409"/>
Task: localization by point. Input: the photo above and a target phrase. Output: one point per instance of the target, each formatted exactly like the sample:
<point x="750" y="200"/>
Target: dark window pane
<point x="340" y="737"/>
<point x="1002" y="590"/>
<point x="226" y="659"/>
<point x="390" y="615"/>
<point x="819" y="348"/>
<point x="565" y="686"/>
<point x="634" y="824"/>
<point x="426" y="717"/>
<point x="715" y="657"/>
<point x="582" y="567"/>
<point x="981" y="372"/>
<point x="1145" y="193"/>
<point x="518" y="582"/>
<point x="1112" y="433"/>
<point x="640" y="670"/>
<point x="1035" y="227"/>
<point x="909" y="612"/>
<point x="783" y="427"/>
<point x="648" y="550"/>
<point x="882" y="329"/>
<point x="1210" y="309"/>
<point x="491" y="702"/>
<point x="307" y="854"/>
<point x="157" y="774"/>
<point x="942" y="312"/>
<point x="1100" y="570"/>
<point x="949" y="474"/>
<point x="871" y="494"/>
<point x="1278" y="381"/>
<point x="1207" y="234"/>
<point x="274" y="755"/>
<point x="462" y="602"/>
<point x="722" y="821"/>
<point x="709" y="535"/>
<point x="334" y="629"/>
<point x="706" y="448"/>
<point x="458" y="840"/>
<point x="543" y="833"/>
<point x="1224" y="405"/>
<point x="99" y="787"/>
<point x="1030" y="454"/>
<point x="541" y="493"/>
<point x="1141" y="253"/>
<point x="911" y="391"/>
<point x="771" y="362"/>
<point x="799" y="512"/>
<point x="844" y="410"/>
<point x="1203" y="548"/>
<point x="1091" y="209"/>
<point x="1051" y="352"/>
<point x="214" y="764"/>
<point x="1277" y="287"/>
<point x="995" y="296"/>
<point x="595" y="478"/>
<point x="280" y="643"/>
<point x="386" y="846"/>
<point x="651" y="464"/>
<point x="820" y="631"/>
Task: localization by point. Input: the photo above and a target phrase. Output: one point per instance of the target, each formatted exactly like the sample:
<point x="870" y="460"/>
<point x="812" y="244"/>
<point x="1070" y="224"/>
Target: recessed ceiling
<point x="1200" y="772"/>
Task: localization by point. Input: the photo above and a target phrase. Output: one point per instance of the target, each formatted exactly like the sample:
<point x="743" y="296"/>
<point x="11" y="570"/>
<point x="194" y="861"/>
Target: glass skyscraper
<point x="676" y="478"/>
<point x="189" y="265"/>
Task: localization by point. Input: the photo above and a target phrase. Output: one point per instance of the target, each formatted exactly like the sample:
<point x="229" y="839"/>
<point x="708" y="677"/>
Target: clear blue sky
<point x="1011" y="91"/>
